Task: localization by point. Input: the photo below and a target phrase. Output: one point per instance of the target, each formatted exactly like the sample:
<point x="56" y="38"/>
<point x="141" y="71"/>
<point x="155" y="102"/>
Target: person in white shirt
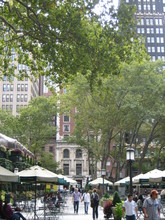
<point x="130" y="209"/>
<point x="86" y="199"/>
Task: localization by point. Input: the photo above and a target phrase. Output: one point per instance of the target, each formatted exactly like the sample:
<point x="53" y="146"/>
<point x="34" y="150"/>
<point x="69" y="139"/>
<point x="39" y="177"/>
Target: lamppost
<point x="103" y="174"/>
<point x="130" y="157"/>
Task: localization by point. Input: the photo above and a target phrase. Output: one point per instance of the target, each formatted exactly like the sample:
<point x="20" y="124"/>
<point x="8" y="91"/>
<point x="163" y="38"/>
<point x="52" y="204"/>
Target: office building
<point x="150" y="20"/>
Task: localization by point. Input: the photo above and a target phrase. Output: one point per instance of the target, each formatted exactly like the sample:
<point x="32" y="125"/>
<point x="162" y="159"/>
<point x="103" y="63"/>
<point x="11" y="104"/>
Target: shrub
<point x="106" y="195"/>
<point x="118" y="211"/>
<point x="116" y="198"/>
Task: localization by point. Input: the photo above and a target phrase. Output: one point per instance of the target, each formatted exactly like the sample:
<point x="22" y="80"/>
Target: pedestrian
<point x="130" y="209"/>
<point x="151" y="206"/>
<point x="86" y="199"/>
<point x="95" y="203"/>
<point x="76" y="197"/>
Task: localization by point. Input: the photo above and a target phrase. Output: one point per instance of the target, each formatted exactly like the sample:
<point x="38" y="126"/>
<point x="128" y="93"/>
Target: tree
<point x="130" y="103"/>
<point x="35" y="123"/>
<point x="48" y="162"/>
<point x="60" y="38"/>
<point x="8" y="123"/>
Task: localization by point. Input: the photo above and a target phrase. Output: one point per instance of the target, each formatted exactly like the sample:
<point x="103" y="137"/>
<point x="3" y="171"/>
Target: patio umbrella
<point x="145" y="177"/>
<point x="159" y="177"/>
<point x="122" y="182"/>
<point x="67" y="179"/>
<point x="37" y="174"/>
<point x="135" y="179"/>
<point x="100" y="181"/>
<point x="7" y="175"/>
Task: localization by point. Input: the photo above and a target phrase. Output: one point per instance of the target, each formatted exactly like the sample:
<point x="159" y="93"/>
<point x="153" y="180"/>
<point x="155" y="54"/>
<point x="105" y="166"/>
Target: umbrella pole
<point x="44" y="203"/>
<point x="35" y="202"/>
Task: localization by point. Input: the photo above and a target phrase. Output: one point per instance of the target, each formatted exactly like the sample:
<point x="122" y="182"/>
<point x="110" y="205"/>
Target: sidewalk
<point x="69" y="212"/>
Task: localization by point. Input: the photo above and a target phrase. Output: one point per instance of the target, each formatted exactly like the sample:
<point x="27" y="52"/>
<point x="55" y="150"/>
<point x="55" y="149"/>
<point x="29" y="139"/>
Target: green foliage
<point x="118" y="211"/>
<point x="60" y="39"/>
<point x="106" y="195"/>
<point x="116" y="198"/>
<point x="47" y="161"/>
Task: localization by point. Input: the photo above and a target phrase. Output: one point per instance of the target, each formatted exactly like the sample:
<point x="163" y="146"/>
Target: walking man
<point x="86" y="199"/>
<point x="130" y="209"/>
<point x="151" y="206"/>
<point x="95" y="203"/>
<point x="75" y="198"/>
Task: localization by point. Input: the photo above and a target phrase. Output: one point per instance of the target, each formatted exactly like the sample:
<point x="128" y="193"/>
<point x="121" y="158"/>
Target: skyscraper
<point x="150" y="20"/>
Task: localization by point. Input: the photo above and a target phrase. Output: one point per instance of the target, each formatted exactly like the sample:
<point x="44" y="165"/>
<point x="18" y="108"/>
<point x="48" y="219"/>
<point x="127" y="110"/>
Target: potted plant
<point x="116" y="200"/>
<point x="118" y="211"/>
<point x="107" y="209"/>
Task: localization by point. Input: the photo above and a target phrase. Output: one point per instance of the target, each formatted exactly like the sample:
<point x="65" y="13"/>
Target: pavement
<point x="69" y="212"/>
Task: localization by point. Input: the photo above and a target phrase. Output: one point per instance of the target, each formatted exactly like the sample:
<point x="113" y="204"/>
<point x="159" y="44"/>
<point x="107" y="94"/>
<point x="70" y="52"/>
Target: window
<point x="160" y="21"/>
<point x="22" y="97"/>
<point x="8" y="87"/>
<point x="66" y="136"/>
<point x="18" y="87"/>
<point x="153" y="58"/>
<point x="7" y="98"/>
<point x="158" y="40"/>
<point x="11" y="87"/>
<point x="142" y="30"/>
<point x="152" y="40"/>
<point x="66" y="128"/>
<point x="149" y="49"/>
<point x="78" y="153"/>
<point x="66" y="169"/>
<point x="11" y="98"/>
<point x="147" y="21"/>
<point x="152" y="30"/>
<point x="66" y="153"/>
<point x="3" y="107"/>
<point x="153" y="7"/>
<point x="7" y="107"/>
<point x="148" y="30"/>
<point x="22" y="87"/>
<point x="158" y="49"/>
<point x="78" y="169"/>
<point x="4" y="87"/>
<point x="26" y="87"/>
<point x="156" y="21"/>
<point x="162" y="49"/>
<point x="162" y="40"/>
<point x="142" y="21"/>
<point x="51" y="149"/>
<point x="138" y="30"/>
<point x="145" y="7"/>
<point x="148" y="40"/>
<point x="161" y="30"/>
<point x="153" y="49"/>
<point x="3" y="98"/>
<point x="139" y="7"/>
<point x="18" y="98"/>
<point x="11" y="108"/>
<point x="66" y="118"/>
<point x="25" y="98"/>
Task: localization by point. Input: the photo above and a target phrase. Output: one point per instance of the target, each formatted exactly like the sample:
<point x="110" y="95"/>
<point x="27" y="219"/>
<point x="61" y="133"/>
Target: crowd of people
<point x="150" y="206"/>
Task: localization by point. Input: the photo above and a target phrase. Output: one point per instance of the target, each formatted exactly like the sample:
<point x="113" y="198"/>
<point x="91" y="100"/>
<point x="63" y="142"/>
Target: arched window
<point x="78" y="153"/>
<point x="66" y="153"/>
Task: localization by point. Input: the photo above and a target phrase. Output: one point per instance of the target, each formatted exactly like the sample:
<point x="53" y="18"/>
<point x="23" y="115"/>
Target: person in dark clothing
<point x="1" y="213"/>
<point x="9" y="214"/>
<point x="95" y="203"/>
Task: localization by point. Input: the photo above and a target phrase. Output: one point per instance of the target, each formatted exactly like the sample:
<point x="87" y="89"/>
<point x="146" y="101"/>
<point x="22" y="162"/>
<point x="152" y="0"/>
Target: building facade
<point x="150" y="20"/>
<point x="17" y="92"/>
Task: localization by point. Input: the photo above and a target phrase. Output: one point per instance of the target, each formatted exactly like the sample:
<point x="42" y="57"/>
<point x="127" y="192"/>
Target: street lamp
<point x="103" y="174"/>
<point x="130" y="157"/>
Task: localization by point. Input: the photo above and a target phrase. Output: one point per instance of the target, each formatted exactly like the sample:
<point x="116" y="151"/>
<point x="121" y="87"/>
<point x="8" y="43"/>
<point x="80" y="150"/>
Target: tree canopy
<point x="60" y="38"/>
<point x="130" y="103"/>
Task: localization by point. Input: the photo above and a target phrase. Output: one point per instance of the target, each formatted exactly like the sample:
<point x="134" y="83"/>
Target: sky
<point x="102" y="3"/>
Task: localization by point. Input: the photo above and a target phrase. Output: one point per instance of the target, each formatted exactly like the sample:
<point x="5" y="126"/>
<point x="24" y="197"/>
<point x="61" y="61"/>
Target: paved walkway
<point x="69" y="212"/>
